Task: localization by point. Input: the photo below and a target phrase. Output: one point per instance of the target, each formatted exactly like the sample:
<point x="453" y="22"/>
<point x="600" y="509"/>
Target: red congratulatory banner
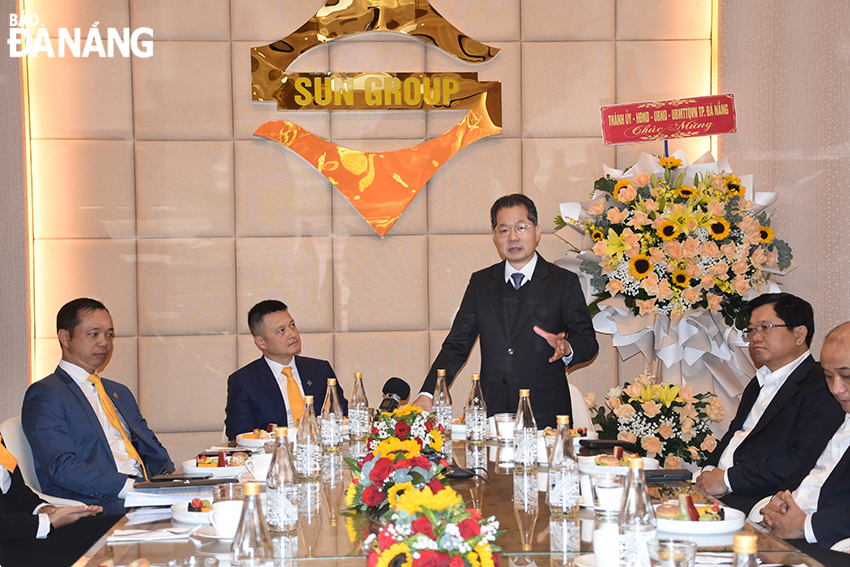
<point x="668" y="119"/>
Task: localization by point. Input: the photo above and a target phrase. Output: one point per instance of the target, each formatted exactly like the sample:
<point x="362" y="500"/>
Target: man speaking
<point x="531" y="318"/>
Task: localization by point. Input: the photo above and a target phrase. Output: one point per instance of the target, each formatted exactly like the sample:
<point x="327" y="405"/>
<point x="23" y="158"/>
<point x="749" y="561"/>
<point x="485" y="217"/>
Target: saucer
<point x="209" y="532"/>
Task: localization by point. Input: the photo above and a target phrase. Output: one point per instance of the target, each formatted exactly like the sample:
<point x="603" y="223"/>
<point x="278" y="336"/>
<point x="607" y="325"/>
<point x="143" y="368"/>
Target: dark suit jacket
<point x="514" y="358"/>
<point x="72" y="456"/>
<point x="16" y="506"/>
<point x="786" y="442"/>
<point x="831" y="523"/>
<point x="254" y="399"/>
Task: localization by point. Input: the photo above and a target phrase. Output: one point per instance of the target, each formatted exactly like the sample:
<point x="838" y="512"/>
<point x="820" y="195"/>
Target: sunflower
<point x="485" y="554"/>
<point x="733" y="185"/>
<point x="640" y="266"/>
<point x="681" y="278"/>
<point x="395" y="550"/>
<point x="394" y="490"/>
<point x="670" y="162"/>
<point x="718" y="227"/>
<point x="392" y="444"/>
<point x="413" y="501"/>
<point x="686" y="191"/>
<point x="350" y="494"/>
<point x="597" y="235"/>
<point x="668" y="230"/>
<point x="620" y="184"/>
<point x="766" y="234"/>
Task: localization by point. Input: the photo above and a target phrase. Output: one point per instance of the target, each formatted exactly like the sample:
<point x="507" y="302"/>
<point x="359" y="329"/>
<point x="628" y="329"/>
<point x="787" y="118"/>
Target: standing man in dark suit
<point x="272" y="388"/>
<point x="89" y="440"/>
<point x="33" y="533"/>
<point x="819" y="509"/>
<point x="531" y="318"/>
<point x="786" y="415"/>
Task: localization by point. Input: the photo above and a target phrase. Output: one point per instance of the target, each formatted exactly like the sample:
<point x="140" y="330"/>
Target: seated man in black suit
<point x="819" y="510"/>
<point x="34" y="533"/>
<point x="786" y="415"/>
<point x="261" y="392"/>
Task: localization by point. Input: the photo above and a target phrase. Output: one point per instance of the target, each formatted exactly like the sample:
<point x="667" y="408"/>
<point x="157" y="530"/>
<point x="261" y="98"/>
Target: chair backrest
<point x="581" y="415"/>
<point x="16" y="442"/>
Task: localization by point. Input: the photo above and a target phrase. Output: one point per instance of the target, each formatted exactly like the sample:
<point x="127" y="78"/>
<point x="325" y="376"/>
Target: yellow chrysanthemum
<point x="680" y="278"/>
<point x="413" y="501"/>
<point x="394" y="551"/>
<point x="394" y="490"/>
<point x="766" y="234"/>
<point x="485" y="554"/>
<point x="597" y="235"/>
<point x="668" y="230"/>
<point x="404" y="410"/>
<point x="393" y="444"/>
<point x="686" y="191"/>
<point x="620" y="184"/>
<point x="640" y="266"/>
<point x="670" y="162"/>
<point x="350" y="494"/>
<point x="718" y="228"/>
<point x="437" y="441"/>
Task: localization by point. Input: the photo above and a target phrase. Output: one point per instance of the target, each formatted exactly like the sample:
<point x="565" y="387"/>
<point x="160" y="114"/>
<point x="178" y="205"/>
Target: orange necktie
<point x="296" y="400"/>
<point x="112" y="416"/>
<point x="7" y="459"/>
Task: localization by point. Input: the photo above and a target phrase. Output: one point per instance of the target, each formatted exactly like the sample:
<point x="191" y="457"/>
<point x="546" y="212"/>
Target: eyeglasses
<point x="764" y="329"/>
<point x="521" y="230"/>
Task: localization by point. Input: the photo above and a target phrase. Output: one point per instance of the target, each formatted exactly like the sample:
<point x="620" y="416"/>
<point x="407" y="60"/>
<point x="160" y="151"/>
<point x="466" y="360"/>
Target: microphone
<point x="395" y="390"/>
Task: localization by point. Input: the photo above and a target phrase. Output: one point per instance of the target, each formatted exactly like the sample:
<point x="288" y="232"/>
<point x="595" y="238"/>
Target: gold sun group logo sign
<point x="380" y="185"/>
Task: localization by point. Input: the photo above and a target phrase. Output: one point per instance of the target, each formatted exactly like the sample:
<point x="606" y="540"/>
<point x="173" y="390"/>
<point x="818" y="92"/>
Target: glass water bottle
<point x="331" y="420"/>
<point x="281" y="489"/>
<point x="475" y="413"/>
<point x="358" y="411"/>
<point x="525" y="435"/>
<point x="308" y="446"/>
<point x="251" y="544"/>
<point x="637" y="519"/>
<point x="442" y="405"/>
<point x="563" y="472"/>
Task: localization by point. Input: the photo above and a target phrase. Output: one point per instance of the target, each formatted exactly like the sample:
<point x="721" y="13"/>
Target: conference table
<point x="323" y="539"/>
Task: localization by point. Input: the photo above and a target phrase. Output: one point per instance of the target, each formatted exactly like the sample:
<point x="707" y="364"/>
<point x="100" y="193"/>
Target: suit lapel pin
<point x="309" y="382"/>
<point x="115" y="395"/>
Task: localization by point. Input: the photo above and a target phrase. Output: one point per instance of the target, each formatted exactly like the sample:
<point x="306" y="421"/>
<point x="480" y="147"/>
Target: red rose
<point x="435" y="486"/>
<point x="418" y="440"/>
<point x="444" y="463"/>
<point x="428" y="426"/>
<point x="420" y="461"/>
<point x="385" y="539"/>
<point x="366" y="459"/>
<point x="372" y="559"/>
<point x="469" y="528"/>
<point x="427" y="558"/>
<point x="401" y="430"/>
<point x="454" y="561"/>
<point x="441" y="429"/>
<point x="402" y="463"/>
<point x="373" y="496"/>
<point x="382" y="469"/>
<point x="423" y="526"/>
<point x="496" y="559"/>
<point x="374" y="430"/>
<point x="476" y="515"/>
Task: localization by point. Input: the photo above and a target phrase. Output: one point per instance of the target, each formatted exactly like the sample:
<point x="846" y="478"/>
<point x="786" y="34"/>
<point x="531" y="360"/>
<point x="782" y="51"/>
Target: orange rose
<point x="650" y="409"/>
<point x="709" y="249"/>
<point x="672" y="462"/>
<point x="693" y="270"/>
<point x="616" y="216"/>
<point x="656" y="255"/>
<point x="590" y="400"/>
<point x="641" y="180"/>
<point x="749" y="223"/>
<point x="716" y="209"/>
<point x="687" y="394"/>
<point x="639" y="219"/>
<point x="740" y="267"/>
<point x="713" y="302"/>
<point x="694" y="453"/>
<point x="600" y="247"/>
<point x="709" y="444"/>
<point x="687" y="412"/>
<point x="772" y="258"/>
<point x="715" y="410"/>
<point x="651" y="205"/>
<point x="691" y="247"/>
<point x="730" y="251"/>
<point x="692" y="294"/>
<point x="647" y="306"/>
<point x="673" y="249"/>
<point x="613" y="403"/>
<point x="626" y="194"/>
<point x="758" y="258"/>
<point x="650" y="283"/>
<point x="651" y="445"/>
<point x="625" y="410"/>
<point x="688" y="432"/>
<point x="664" y="290"/>
<point x="665" y="431"/>
<point x="614" y="287"/>
<point x="740" y="285"/>
<point x="719" y="270"/>
<point x="626" y="436"/>
<point x="597" y="208"/>
<point x="632" y="390"/>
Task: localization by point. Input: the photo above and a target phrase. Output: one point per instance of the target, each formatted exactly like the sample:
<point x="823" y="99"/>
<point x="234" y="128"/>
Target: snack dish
<point x="250" y="441"/>
<point x="248" y="477"/>
<point x="189" y="467"/>
<point x="734" y="521"/>
<point x="586" y="560"/>
<point x="180" y="512"/>
<point x="588" y="465"/>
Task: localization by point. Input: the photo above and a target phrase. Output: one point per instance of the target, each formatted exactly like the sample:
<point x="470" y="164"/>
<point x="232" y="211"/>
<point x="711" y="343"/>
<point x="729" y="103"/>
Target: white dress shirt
<point x="277" y="372"/>
<point x="807" y="494"/>
<point x="43" y="519"/>
<point x="770" y="383"/>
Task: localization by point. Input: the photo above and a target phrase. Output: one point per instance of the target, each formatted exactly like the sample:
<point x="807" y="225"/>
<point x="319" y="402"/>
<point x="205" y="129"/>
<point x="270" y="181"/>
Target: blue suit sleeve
<point x="239" y="417"/>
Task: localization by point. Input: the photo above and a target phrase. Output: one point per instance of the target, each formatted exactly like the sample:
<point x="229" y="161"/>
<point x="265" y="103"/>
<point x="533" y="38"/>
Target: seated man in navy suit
<point x="89" y="440"/>
<point x="786" y="415"/>
<point x="272" y="388"/>
<point x="819" y="509"/>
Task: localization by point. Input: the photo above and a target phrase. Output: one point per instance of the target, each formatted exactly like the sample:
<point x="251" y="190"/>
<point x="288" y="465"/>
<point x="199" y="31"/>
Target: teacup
<point x="259" y="465"/>
<point x="225" y="517"/>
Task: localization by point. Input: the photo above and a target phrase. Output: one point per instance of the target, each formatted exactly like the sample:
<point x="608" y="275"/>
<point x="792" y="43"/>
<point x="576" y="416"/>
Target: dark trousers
<point x="61" y="548"/>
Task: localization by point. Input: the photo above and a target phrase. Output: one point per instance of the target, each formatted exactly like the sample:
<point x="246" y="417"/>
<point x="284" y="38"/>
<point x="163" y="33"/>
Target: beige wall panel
<point x="183" y="92"/>
<point x="297" y="271"/>
<point x="122" y="367"/>
<point x="460" y="387"/>
<point x="497" y="20"/>
<point x="505" y="67"/>
<point x="640" y="77"/>
<point x="663" y="19"/>
<point x="249" y="115"/>
<point x="83" y="189"/>
<point x="188" y="20"/>
<point x="561" y="170"/>
<point x="380" y="356"/>
<point x="627" y="155"/>
<point x="80" y="97"/>
<point x="183" y="381"/>
<point x="314" y="345"/>
<point x="269" y="20"/>
<point x="184" y="446"/>
<point x="184" y="189"/>
<point x="347" y="221"/>
<point x="278" y="193"/>
<point x="186" y="286"/>
<point x="599" y="375"/>
<point x="380" y="285"/>
<point x="79" y="14"/>
<point x="552" y="247"/>
<point x="451" y="261"/>
<point x="567" y="20"/>
<point x="549" y="108"/>
<point x="461" y="193"/>
<point x="101" y="269"/>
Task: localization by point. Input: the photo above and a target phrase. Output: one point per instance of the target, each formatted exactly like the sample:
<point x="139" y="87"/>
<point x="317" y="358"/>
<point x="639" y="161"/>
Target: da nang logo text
<point x="116" y="42"/>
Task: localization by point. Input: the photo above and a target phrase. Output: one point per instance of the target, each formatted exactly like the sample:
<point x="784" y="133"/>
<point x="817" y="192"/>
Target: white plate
<point x="586" y="560"/>
<point x="588" y="465"/>
<point x="180" y="512"/>
<point x="209" y="531"/>
<point x="735" y="520"/>
<point x="218" y="472"/>
<point x="458" y="431"/>
<point x="248" y="477"/>
<point x="252" y="443"/>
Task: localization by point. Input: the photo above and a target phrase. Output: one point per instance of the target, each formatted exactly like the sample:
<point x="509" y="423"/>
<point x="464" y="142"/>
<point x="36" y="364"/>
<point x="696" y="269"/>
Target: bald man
<point x="819" y="509"/>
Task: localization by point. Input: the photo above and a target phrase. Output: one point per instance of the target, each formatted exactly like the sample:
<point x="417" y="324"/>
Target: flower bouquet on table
<point x="407" y="422"/>
<point x="664" y="421"/>
<point x="433" y="528"/>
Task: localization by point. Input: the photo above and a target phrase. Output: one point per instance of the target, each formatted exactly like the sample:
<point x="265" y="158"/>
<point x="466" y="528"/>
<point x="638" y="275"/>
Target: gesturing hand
<point x="64" y="515"/>
<point x="557" y="342"/>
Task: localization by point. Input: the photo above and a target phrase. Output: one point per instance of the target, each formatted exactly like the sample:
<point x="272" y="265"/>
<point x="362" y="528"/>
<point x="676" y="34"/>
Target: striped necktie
<point x="112" y="416"/>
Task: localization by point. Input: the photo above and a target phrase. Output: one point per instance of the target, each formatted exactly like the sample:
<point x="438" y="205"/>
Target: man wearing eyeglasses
<point x="786" y="415"/>
<point x="531" y="318"/>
